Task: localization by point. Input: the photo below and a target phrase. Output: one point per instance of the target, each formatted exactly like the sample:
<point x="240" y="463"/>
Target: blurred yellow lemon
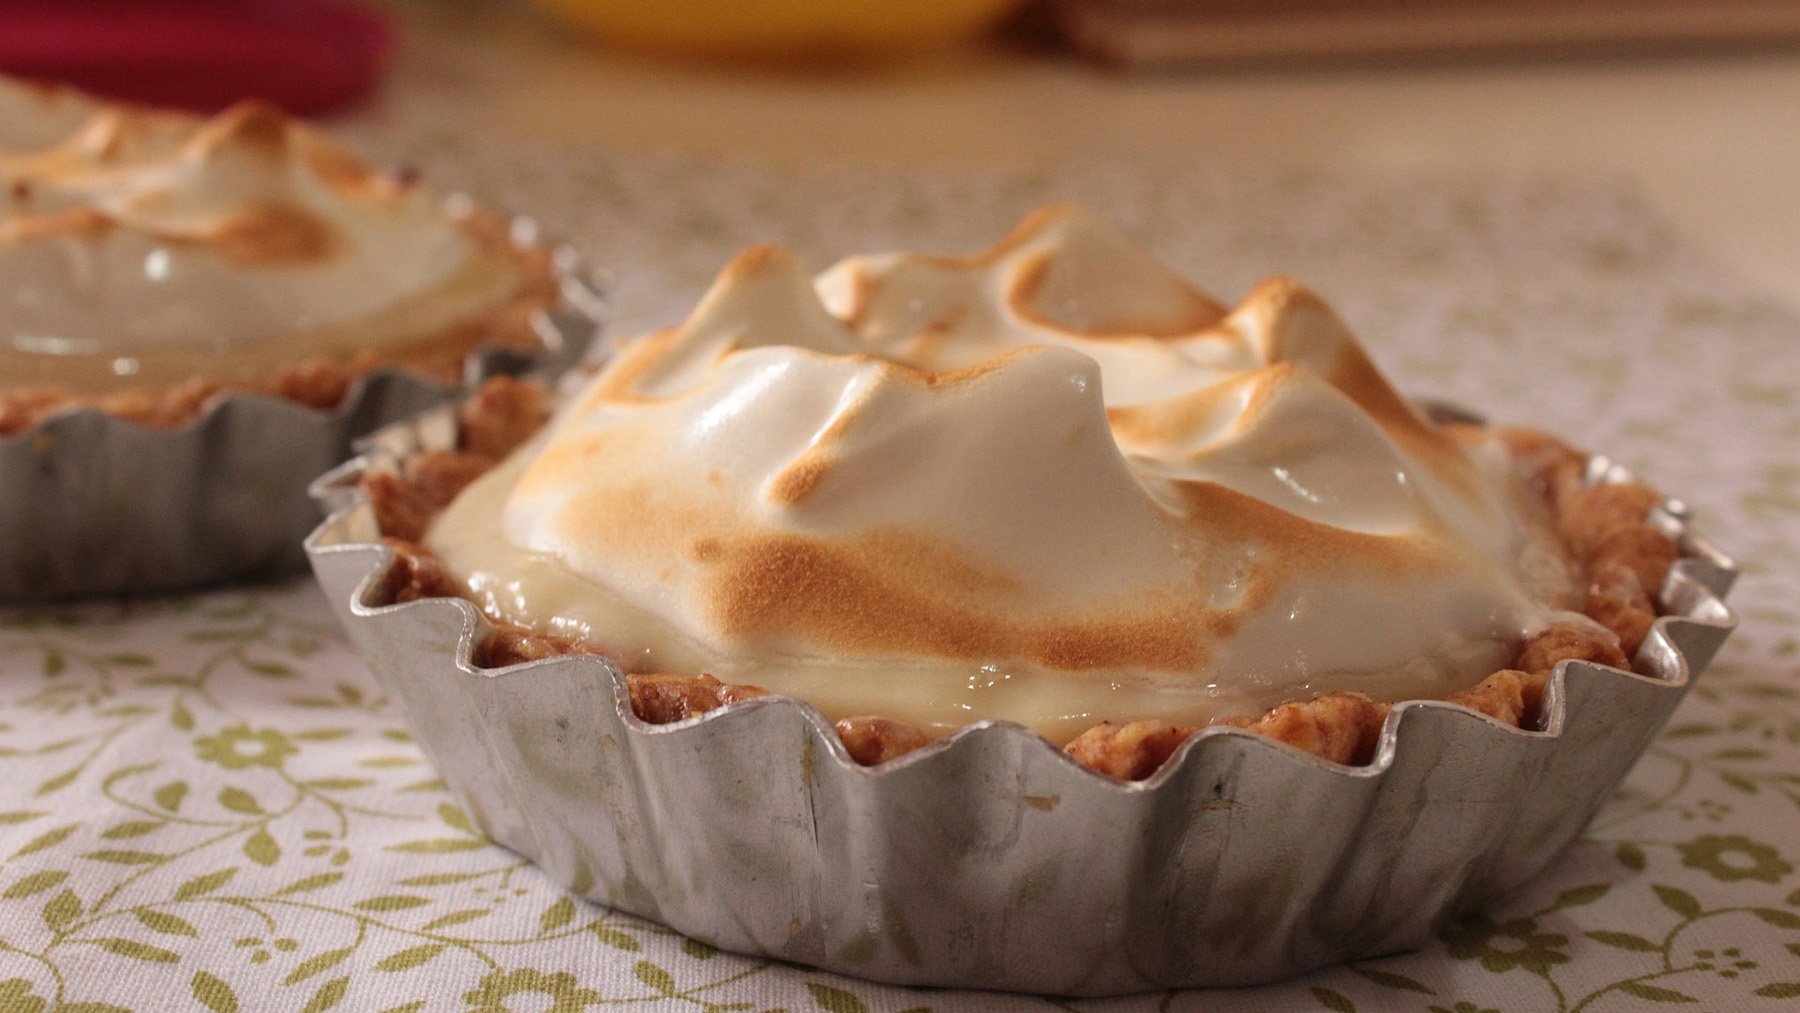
<point x="828" y="29"/>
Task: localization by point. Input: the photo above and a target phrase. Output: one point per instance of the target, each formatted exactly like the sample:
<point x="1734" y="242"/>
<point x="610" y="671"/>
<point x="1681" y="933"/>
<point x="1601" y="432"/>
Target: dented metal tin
<point x="989" y="859"/>
<point x="93" y="504"/>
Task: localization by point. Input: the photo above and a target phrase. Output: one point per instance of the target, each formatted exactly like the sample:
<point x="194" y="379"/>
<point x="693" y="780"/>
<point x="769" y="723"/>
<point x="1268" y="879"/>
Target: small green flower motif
<point x="1732" y="857"/>
<point x="1709" y="960"/>
<point x="566" y="994"/>
<point x="1464" y="1007"/>
<point x="238" y="747"/>
<point x="1503" y="946"/>
<point x="16" y="997"/>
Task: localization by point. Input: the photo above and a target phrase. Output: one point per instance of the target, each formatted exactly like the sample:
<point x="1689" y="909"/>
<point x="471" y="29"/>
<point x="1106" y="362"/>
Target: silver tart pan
<point x="93" y="504"/>
<point x="989" y="859"/>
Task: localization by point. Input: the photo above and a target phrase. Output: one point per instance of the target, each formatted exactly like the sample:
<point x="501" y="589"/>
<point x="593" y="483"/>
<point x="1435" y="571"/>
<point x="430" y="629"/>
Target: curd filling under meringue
<point x="142" y="248"/>
<point x="1052" y="484"/>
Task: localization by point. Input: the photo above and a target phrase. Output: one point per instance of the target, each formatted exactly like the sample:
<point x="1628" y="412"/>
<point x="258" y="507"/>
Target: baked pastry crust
<point x="323" y="382"/>
<point x="1625" y="559"/>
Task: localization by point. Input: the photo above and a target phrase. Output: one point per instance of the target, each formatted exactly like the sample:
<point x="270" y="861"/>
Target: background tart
<point x="152" y="261"/>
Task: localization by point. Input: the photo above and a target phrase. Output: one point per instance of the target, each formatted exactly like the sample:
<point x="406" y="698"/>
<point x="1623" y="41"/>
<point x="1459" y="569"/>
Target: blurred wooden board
<point x="1169" y="32"/>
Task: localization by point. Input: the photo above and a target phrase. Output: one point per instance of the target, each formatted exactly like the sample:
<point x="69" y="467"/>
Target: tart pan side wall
<point x="990" y="859"/>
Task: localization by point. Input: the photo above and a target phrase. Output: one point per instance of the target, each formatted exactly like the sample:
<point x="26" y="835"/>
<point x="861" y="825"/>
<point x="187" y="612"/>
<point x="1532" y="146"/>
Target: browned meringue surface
<point x="140" y="249"/>
<point x="1053" y="484"/>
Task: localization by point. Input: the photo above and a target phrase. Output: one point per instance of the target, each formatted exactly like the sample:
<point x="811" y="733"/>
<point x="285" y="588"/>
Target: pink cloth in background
<point x="306" y="56"/>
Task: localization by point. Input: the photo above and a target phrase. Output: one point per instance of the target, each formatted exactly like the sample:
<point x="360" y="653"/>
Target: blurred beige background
<point x="1712" y="140"/>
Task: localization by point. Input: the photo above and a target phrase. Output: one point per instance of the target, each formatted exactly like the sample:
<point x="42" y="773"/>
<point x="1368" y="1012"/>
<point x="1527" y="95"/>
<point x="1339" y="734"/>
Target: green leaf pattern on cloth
<point x="205" y="802"/>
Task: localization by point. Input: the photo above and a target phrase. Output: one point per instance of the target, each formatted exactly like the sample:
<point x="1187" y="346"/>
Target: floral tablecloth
<point x="205" y="803"/>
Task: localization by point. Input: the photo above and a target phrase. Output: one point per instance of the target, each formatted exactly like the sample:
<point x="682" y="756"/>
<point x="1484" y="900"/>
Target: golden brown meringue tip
<point x="1191" y="422"/>
<point x="760" y="259"/>
<point x="97" y="150"/>
<point x="273" y="143"/>
<point x="1062" y="268"/>
<point x="1285" y="321"/>
<point x="34" y="114"/>
<point x="1074" y="263"/>
<point x="764" y="297"/>
<point x="253" y="128"/>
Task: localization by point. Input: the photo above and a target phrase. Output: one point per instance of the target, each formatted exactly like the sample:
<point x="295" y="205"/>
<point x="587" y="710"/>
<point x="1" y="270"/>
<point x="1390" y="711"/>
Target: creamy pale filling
<point x="1398" y="641"/>
<point x="216" y="323"/>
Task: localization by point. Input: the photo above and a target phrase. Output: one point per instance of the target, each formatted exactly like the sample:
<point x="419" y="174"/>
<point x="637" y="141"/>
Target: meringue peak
<point x="35" y="116"/>
<point x="763" y="297"/>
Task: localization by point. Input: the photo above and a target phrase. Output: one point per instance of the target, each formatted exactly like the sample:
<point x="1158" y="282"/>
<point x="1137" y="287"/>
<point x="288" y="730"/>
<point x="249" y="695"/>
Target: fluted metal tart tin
<point x="990" y="859"/>
<point x="94" y="504"/>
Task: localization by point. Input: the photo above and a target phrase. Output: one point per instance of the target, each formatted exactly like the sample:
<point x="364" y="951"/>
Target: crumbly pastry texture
<point x="242" y="253"/>
<point x="1607" y="527"/>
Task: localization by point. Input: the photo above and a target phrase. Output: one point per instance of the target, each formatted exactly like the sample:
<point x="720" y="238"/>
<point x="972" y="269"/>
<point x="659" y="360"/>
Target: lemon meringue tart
<point x="150" y="261"/>
<point x="1053" y="484"/>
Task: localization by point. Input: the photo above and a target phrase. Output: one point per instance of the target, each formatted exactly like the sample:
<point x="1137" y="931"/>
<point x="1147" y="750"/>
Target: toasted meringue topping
<point x="1054" y="484"/>
<point x="139" y="247"/>
<point x="34" y="117"/>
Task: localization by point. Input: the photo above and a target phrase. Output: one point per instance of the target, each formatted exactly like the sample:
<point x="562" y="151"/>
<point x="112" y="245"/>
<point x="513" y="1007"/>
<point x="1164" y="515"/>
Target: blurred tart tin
<point x="91" y="503"/>
<point x="990" y="859"/>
